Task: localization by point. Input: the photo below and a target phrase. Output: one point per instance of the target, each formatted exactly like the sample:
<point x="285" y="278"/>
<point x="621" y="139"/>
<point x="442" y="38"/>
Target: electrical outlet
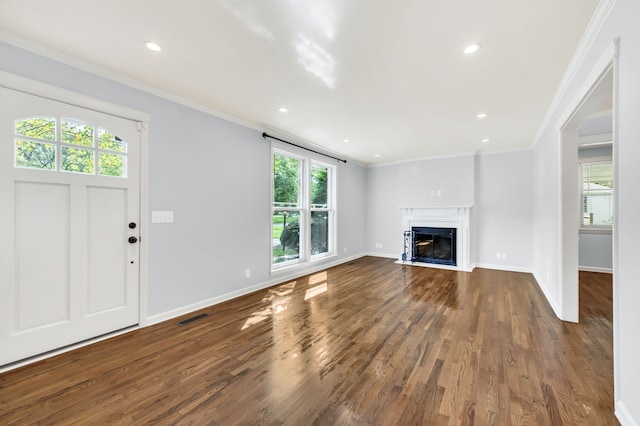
<point x="439" y="193"/>
<point x="504" y="256"/>
<point x="345" y="249"/>
<point x="378" y="245"/>
<point x="247" y="273"/>
<point x="498" y="255"/>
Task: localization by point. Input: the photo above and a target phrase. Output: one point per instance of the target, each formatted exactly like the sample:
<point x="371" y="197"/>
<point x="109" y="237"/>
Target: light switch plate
<point x="161" y="217"/>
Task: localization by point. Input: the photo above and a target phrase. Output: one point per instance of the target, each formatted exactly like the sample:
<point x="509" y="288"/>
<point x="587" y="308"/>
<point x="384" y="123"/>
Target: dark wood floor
<point x="368" y="342"/>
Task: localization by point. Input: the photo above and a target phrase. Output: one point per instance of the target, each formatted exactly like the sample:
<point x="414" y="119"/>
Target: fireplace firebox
<point x="433" y="245"/>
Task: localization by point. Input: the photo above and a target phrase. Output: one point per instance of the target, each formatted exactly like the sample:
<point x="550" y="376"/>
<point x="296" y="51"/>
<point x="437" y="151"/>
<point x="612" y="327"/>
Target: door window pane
<point x="76" y="133"/>
<point x="76" y="160"/>
<point x="107" y="140"/>
<point x="35" y="155"/>
<point x="111" y="164"/>
<point x="37" y="127"/>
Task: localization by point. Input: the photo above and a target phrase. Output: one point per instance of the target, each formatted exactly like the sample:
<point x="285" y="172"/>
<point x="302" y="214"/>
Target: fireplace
<point x="442" y="235"/>
<point x="433" y="245"/>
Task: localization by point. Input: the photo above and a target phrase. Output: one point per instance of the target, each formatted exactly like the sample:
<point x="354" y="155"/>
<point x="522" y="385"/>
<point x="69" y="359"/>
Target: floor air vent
<point x="192" y="319"/>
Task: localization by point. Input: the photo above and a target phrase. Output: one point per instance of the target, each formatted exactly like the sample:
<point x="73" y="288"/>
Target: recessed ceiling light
<point x="377" y="155"/>
<point x="283" y="109"/>
<point x="153" y="46"/>
<point x="346" y="141"/>
<point x="482" y="115"/>
<point x="472" y="48"/>
<point x="485" y="140"/>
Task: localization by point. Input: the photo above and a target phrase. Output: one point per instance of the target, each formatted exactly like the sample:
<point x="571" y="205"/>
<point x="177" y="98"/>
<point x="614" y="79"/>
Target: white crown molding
<point x="415" y="160"/>
<point x="502" y="151"/>
<point x="118" y="78"/>
<point x="136" y="84"/>
<point x="598" y="19"/>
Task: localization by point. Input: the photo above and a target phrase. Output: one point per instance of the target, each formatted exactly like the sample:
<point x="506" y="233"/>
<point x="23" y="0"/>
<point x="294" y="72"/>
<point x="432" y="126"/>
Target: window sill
<point x="595" y="230"/>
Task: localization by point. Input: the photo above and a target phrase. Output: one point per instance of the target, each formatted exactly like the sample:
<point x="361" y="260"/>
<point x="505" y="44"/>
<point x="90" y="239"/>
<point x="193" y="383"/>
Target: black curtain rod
<point x="264" y="135"/>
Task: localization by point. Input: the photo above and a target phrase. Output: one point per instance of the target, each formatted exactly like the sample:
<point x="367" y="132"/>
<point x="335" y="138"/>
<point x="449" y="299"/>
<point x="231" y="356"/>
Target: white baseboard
<point x="434" y="266"/>
<point x="623" y="415"/>
<point x="595" y="269"/>
<point x="386" y="255"/>
<point x="278" y="278"/>
<point x="505" y="268"/>
<point x="554" y="306"/>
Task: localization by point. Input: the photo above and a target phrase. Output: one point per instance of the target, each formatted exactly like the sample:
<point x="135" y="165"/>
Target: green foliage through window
<point x="76" y="160"/>
<point x="319" y="187"/>
<point x="37" y="145"/>
<point x="38" y="128"/>
<point x="77" y="133"/>
<point x="286" y="176"/>
<point x="110" y="141"/>
<point x="35" y="155"/>
<point x="111" y="164"/>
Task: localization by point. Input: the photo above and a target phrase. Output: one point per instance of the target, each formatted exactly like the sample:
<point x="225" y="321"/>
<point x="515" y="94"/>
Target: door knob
<point x="133" y="240"/>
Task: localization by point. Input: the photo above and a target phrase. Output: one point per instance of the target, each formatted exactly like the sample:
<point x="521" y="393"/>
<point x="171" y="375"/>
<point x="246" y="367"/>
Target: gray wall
<point x="384" y="222"/>
<point x="443" y="182"/>
<point x="213" y="174"/>
<point x="621" y="23"/>
<point x="503" y="219"/>
<point x="595" y="251"/>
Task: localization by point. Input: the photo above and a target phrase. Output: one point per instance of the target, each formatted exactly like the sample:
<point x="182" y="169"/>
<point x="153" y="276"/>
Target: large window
<point x="597" y="194"/>
<point x="302" y="212"/>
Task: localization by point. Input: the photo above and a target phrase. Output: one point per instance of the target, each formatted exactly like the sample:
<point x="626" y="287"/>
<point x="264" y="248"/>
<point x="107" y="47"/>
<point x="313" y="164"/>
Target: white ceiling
<point x="389" y="76"/>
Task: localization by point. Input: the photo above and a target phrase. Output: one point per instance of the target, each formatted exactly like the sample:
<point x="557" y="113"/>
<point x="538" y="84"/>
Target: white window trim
<point x="308" y="160"/>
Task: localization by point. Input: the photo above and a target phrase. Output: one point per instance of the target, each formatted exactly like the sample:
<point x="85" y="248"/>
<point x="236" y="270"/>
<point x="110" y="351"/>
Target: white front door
<point x="69" y="221"/>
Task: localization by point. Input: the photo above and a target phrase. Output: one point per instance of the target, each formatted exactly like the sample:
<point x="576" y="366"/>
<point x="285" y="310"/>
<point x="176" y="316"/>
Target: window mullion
<point x="306" y="183"/>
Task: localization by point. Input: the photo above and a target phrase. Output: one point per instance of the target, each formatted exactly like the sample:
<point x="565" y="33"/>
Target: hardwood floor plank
<point x="367" y="342"/>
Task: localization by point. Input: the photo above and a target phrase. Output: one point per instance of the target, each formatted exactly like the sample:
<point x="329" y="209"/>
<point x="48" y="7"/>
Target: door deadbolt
<point x="132" y="225"/>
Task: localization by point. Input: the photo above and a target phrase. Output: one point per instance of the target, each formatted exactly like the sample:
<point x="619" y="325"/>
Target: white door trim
<point x="58" y="94"/>
<point x="44" y="90"/>
<point x="607" y="63"/>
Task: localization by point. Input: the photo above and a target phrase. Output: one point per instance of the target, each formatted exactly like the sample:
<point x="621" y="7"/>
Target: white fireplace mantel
<point x="443" y="217"/>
